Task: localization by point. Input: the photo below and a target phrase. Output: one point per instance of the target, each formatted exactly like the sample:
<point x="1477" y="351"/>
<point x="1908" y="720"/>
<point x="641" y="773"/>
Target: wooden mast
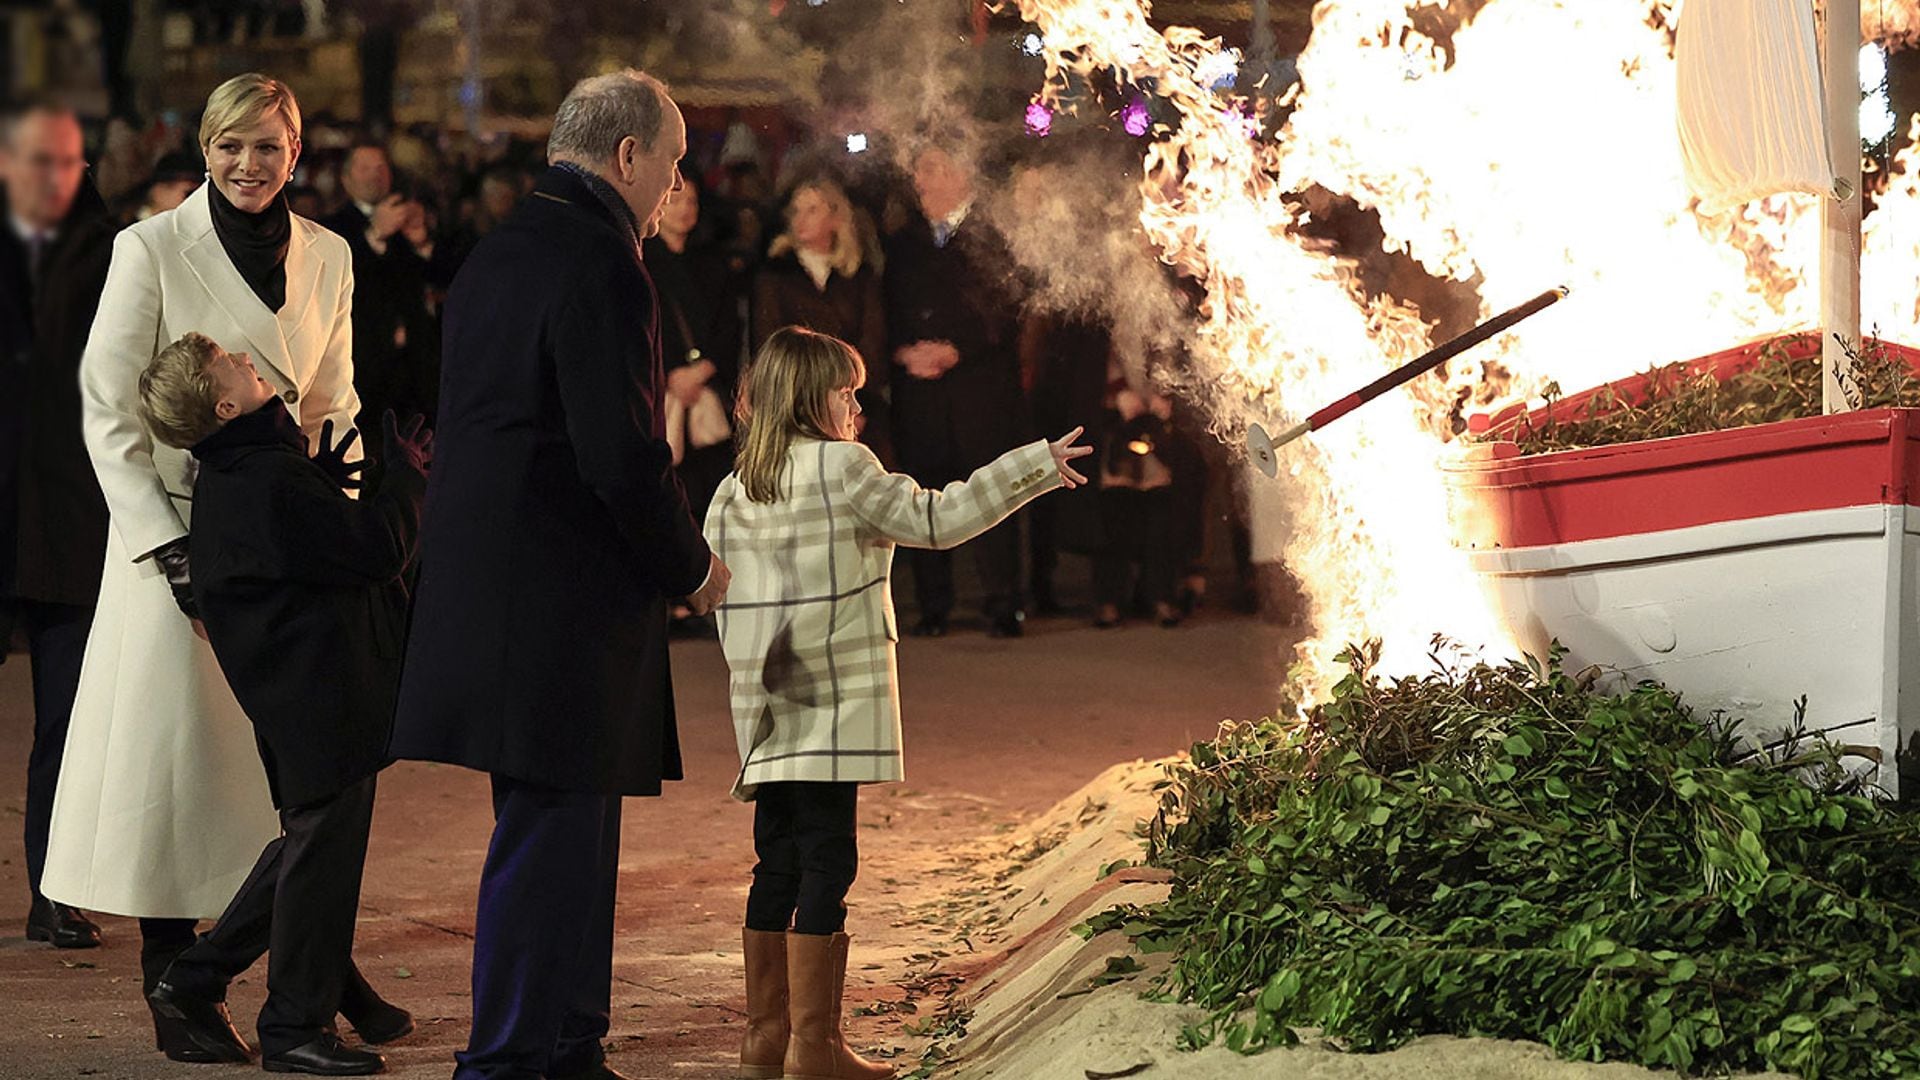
<point x="1840" y="216"/>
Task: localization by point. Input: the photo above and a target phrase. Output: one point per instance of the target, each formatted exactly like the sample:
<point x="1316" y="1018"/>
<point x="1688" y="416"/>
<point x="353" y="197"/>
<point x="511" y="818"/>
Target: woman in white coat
<point x="162" y="805"/>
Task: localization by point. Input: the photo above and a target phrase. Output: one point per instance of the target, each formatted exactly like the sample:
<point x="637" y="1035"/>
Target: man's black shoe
<point x="64" y="927"/>
<point x="1008" y="626"/>
<point x="929" y="627"/>
<point x="193" y="1028"/>
<point x="325" y="1056"/>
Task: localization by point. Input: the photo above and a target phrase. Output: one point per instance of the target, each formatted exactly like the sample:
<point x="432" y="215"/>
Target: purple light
<point x="1248" y="123"/>
<point x="1039" y="120"/>
<point x="1134" y="118"/>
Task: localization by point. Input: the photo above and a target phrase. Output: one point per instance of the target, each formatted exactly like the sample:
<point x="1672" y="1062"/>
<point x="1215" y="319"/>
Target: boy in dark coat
<point x="300" y="590"/>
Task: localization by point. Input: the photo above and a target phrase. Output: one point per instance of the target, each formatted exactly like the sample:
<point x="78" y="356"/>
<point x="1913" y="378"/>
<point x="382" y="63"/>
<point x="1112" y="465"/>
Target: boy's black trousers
<point x="298" y="905"/>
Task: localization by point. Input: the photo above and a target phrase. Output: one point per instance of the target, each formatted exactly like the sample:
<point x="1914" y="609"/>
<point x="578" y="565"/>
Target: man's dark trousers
<point x="546" y="895"/>
<point x="301" y="899"/>
<point x="57" y="642"/>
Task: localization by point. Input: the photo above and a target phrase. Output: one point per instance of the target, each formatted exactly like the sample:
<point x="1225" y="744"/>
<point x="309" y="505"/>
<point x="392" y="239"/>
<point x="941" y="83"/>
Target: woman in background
<point x="822" y="274"/>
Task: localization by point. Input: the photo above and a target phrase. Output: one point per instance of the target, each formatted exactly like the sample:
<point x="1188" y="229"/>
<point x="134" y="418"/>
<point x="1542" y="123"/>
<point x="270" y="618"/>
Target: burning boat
<point x="1750" y="568"/>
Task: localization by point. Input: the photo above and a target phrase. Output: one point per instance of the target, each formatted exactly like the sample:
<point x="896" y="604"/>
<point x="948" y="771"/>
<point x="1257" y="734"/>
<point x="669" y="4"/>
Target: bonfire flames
<point x="1533" y="146"/>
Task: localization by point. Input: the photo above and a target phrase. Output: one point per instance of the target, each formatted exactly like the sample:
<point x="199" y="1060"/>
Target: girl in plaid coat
<point x="808" y="523"/>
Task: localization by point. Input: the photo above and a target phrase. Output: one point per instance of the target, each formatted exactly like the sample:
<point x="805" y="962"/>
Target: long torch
<point x="1262" y="446"/>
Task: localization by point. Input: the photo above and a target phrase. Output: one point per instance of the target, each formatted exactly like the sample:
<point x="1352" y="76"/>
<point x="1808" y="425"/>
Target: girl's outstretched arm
<point x="896" y="507"/>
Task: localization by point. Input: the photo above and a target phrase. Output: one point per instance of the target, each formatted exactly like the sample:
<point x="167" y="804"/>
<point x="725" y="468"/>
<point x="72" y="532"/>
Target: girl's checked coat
<point x="808" y="626"/>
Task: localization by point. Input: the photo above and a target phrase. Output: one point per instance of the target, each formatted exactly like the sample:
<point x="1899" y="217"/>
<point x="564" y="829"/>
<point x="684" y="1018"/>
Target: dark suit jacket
<point x="556" y="530"/>
<point x="850" y="308"/>
<point x="961" y="293"/>
<point x="16" y="338"/>
<point x="396" y="341"/>
<point x="53" y="520"/>
<point x="301" y="589"/>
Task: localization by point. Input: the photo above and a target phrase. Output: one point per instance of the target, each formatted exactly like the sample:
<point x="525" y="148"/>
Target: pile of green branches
<point x="1506" y="851"/>
<point x="1676" y="400"/>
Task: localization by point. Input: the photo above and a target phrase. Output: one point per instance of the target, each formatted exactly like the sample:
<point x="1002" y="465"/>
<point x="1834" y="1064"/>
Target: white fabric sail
<point x="1751" y="117"/>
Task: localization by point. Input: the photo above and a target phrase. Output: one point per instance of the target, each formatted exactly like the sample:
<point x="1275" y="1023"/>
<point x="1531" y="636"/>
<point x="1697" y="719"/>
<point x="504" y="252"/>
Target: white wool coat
<point x="162" y="803"/>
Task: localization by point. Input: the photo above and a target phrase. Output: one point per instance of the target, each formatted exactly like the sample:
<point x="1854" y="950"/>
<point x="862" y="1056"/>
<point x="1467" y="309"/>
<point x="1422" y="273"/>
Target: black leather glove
<point x="412" y="444"/>
<point x="332" y="457"/>
<point x="172" y="557"/>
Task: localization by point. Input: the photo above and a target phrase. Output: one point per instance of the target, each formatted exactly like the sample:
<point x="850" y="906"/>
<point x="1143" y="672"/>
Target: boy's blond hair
<point x="784" y="396"/>
<point x="244" y="101"/>
<point x="178" y="399"/>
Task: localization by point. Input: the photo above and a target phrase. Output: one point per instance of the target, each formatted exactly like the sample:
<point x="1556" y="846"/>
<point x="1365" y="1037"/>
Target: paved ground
<point x="996" y="731"/>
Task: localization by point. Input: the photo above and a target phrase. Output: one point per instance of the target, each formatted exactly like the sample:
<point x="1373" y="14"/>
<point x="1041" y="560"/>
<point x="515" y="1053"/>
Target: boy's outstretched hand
<point x="332" y="457"/>
<point x="1064" y="451"/>
<point x="412" y="444"/>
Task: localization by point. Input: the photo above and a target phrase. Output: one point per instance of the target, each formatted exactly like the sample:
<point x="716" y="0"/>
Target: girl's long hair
<point x="784" y="397"/>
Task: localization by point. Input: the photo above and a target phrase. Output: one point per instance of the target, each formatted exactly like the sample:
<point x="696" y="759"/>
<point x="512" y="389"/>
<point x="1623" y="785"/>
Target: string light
<point x="1039" y="120"/>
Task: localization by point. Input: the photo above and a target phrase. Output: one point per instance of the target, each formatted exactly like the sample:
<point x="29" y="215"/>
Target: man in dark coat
<point x="300" y="592"/>
<point x="556" y="536"/>
<point x="957" y="402"/>
<point x="55" y="245"/>
<point x="396" y="346"/>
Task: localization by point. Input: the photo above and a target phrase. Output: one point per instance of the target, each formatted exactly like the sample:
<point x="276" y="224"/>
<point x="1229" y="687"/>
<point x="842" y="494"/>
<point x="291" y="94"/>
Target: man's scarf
<point x="617" y="206"/>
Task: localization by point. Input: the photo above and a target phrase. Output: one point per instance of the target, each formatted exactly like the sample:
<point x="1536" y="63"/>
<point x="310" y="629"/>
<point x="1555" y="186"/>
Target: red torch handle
<point x="1433" y="358"/>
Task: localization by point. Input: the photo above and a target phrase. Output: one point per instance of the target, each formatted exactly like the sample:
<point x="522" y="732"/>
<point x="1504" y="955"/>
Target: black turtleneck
<point x="256" y="243"/>
<point x="269" y="425"/>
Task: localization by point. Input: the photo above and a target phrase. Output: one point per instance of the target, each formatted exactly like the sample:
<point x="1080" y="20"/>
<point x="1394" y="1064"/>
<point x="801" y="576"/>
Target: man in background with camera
<point x="396" y="340"/>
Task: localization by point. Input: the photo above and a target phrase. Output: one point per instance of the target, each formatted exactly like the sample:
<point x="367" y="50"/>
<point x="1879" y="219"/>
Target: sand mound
<point x="1041" y="1003"/>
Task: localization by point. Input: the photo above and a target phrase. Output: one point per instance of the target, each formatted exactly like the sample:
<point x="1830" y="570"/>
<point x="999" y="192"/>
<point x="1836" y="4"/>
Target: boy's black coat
<point x="302" y="594"/>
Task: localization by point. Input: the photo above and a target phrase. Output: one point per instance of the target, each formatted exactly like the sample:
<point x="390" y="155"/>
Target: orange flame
<point x="1534" y="148"/>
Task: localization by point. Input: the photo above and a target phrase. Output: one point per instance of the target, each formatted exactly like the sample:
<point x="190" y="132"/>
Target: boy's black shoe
<point x="930" y="626"/>
<point x="375" y="1019"/>
<point x="62" y="926"/>
<point x="1010" y="625"/>
<point x="195" y="1029"/>
<point x="326" y="1056"/>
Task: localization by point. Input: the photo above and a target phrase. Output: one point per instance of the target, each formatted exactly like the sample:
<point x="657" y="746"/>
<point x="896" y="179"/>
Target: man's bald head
<point x="42" y="161"/>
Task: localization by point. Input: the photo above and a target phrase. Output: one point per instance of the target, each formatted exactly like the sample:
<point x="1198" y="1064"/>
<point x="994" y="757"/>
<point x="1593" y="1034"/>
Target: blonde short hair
<point x="244" y="101"/>
<point x="178" y="399"/>
<point x="784" y="398"/>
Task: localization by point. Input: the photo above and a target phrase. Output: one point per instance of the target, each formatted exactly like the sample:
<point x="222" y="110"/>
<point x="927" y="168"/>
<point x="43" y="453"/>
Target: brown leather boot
<point x="763" y="1051"/>
<point x="816" y="980"/>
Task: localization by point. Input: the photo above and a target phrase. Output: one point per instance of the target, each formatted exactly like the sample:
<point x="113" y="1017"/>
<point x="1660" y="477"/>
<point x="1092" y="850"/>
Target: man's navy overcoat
<point x="556" y="532"/>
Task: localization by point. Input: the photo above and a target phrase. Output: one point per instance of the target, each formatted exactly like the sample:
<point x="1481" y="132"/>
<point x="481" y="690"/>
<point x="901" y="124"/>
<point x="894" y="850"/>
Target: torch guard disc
<point x="1260" y="450"/>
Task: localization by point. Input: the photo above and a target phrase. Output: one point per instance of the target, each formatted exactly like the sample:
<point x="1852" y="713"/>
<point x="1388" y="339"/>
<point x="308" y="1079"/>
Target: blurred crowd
<point x="896" y="262"/>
